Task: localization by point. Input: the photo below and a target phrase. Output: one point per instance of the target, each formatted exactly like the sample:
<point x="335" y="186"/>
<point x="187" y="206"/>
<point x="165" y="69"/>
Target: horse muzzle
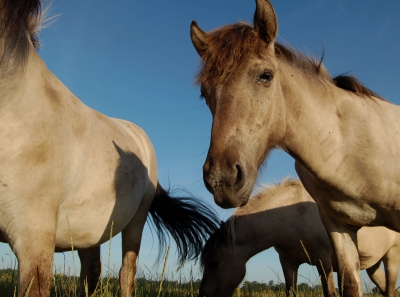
<point x="227" y="181"/>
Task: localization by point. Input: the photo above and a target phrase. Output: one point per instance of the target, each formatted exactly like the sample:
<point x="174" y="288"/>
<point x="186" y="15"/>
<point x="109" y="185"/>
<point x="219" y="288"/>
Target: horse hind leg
<point x="131" y="238"/>
<point x="90" y="270"/>
<point x="377" y="276"/>
<point x="391" y="263"/>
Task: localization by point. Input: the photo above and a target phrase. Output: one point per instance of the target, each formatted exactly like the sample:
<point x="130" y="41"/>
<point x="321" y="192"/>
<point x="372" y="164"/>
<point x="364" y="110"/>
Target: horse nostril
<point x="207" y="181"/>
<point x="240" y="176"/>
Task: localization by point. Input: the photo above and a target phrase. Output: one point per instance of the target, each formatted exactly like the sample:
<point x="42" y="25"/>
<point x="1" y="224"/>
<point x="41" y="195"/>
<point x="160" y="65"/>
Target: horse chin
<point x="229" y="198"/>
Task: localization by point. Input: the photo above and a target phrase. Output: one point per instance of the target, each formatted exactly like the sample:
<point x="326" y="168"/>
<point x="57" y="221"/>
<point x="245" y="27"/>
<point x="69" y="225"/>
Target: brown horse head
<point x="239" y="78"/>
<point x="224" y="265"/>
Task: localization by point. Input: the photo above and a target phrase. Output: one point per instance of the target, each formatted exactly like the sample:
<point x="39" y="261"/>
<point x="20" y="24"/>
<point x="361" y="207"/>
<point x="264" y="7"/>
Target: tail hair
<point x="188" y="220"/>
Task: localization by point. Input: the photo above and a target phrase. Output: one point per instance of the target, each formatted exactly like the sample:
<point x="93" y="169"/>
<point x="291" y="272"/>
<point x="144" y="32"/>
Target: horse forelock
<point x="229" y="46"/>
<point x="20" y="24"/>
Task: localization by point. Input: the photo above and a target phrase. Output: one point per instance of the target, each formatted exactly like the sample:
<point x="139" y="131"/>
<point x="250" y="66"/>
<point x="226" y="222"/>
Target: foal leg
<point x="90" y="270"/>
<point x="377" y="276"/>
<point x="290" y="270"/>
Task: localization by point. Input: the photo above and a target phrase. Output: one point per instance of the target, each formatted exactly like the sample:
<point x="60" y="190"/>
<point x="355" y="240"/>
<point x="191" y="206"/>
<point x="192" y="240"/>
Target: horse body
<point x="344" y="137"/>
<point x="286" y="217"/>
<point x="71" y="160"/>
<point x="72" y="177"/>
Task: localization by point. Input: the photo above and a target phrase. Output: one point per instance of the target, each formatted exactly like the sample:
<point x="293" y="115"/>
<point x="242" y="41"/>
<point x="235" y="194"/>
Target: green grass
<point x="148" y="284"/>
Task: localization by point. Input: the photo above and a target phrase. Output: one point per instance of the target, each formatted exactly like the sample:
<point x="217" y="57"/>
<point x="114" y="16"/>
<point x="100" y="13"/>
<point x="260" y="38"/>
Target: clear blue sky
<point x="134" y="60"/>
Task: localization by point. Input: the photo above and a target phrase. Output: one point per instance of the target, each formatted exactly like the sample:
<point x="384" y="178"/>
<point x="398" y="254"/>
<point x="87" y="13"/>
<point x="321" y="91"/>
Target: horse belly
<point x="93" y="219"/>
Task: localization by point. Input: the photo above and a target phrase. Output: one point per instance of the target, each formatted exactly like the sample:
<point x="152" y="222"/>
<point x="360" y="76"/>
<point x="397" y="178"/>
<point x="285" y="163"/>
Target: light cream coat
<point x="345" y="139"/>
<point x="284" y="216"/>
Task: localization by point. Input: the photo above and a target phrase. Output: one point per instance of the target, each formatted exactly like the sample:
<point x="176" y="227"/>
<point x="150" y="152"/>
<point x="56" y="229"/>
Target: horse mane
<point x="230" y="45"/>
<point x="265" y="193"/>
<point x="352" y="84"/>
<point x="20" y="23"/>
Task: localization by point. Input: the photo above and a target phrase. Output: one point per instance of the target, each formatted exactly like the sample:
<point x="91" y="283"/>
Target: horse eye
<point x="265" y="77"/>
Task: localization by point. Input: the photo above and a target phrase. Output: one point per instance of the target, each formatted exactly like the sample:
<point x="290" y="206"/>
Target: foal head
<point x="223" y="268"/>
<point x="239" y="80"/>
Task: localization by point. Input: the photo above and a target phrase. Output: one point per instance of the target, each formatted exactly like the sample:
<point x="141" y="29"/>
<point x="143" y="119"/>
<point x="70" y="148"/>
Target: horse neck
<point x="312" y="124"/>
<point x="262" y="228"/>
<point x="20" y="81"/>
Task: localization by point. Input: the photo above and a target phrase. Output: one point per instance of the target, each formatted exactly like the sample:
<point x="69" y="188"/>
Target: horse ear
<point x="224" y="228"/>
<point x="199" y="38"/>
<point x="265" y="21"/>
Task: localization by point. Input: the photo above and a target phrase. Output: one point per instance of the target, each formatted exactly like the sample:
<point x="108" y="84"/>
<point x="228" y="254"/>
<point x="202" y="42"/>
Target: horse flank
<point x="230" y="45"/>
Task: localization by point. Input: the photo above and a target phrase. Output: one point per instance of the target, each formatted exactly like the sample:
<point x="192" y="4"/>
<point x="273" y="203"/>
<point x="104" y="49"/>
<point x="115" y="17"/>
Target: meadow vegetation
<point x="150" y="285"/>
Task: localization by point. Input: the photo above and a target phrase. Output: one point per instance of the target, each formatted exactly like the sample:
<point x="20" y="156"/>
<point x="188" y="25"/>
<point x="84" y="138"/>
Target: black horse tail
<point x="189" y="221"/>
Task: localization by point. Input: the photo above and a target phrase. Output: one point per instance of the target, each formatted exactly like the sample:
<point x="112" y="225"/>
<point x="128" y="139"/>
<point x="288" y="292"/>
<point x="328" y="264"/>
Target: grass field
<point x="65" y="284"/>
<point x="68" y="286"/>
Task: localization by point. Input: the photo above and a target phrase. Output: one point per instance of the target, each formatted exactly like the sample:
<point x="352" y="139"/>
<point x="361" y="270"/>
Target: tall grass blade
<point x="163" y="272"/>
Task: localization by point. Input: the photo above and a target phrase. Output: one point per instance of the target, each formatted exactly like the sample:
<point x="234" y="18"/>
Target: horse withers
<point x="68" y="173"/>
<point x="344" y="137"/>
<point x="284" y="216"/>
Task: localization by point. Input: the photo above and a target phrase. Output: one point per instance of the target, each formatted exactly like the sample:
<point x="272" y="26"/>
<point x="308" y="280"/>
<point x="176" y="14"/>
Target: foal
<point x="285" y="217"/>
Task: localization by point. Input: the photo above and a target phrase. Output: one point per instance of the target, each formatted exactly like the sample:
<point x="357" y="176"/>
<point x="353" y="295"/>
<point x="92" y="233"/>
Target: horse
<point x="69" y="175"/>
<point x="284" y="216"/>
<point x="264" y="95"/>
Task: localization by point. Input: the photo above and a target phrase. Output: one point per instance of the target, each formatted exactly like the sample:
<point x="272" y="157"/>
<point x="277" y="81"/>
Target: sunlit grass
<point x="149" y="284"/>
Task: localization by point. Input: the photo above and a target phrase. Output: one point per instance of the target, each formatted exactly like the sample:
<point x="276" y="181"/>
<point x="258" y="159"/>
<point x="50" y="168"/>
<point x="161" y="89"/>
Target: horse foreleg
<point x="35" y="264"/>
<point x="344" y="242"/>
<point x="90" y="270"/>
<point x="377" y="276"/>
<point x="290" y="270"/>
